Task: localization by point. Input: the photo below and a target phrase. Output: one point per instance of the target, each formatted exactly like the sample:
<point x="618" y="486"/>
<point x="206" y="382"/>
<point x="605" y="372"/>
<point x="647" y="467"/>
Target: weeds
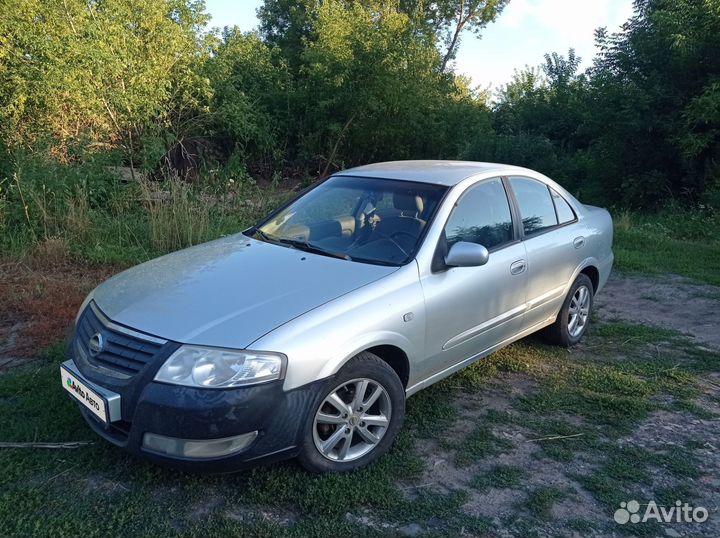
<point x="499" y="476"/>
<point x="103" y="219"/>
<point x="177" y="216"/>
<point x="541" y="501"/>
<point x="674" y="240"/>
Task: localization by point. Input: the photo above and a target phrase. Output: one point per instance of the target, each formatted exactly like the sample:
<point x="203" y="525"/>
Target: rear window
<point x="537" y="210"/>
<point x="564" y="211"/>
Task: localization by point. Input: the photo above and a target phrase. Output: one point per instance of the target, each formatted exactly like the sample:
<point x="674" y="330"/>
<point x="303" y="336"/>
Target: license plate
<point x="84" y="394"/>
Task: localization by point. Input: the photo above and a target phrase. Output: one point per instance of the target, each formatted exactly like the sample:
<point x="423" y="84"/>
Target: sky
<point x="522" y="34"/>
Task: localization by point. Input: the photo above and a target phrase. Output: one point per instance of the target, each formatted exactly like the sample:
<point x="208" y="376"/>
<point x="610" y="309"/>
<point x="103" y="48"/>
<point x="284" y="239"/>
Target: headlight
<point x="208" y="367"/>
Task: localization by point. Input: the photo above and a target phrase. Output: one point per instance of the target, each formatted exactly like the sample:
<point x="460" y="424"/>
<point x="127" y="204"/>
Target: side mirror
<point x="465" y="254"/>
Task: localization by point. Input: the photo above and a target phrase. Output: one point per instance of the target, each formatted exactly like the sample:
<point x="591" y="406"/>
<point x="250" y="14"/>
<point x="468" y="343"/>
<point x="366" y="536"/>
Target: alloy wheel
<point x="352" y="420"/>
<point x="579" y="311"/>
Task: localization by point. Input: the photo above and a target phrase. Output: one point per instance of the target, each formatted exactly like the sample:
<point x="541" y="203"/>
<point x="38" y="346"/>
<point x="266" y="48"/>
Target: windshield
<point x="356" y="218"/>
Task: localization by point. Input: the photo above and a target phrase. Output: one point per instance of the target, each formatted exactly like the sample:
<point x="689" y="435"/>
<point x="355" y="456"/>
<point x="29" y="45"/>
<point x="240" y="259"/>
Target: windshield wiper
<point x="307" y="247"/>
<point x="263" y="235"/>
<point x="299" y="244"/>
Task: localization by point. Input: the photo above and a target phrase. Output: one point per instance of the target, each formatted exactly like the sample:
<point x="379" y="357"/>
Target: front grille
<point x="124" y="351"/>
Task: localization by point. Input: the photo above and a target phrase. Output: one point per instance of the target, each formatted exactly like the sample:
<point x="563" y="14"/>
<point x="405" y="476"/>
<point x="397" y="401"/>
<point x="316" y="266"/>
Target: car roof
<point x="447" y="173"/>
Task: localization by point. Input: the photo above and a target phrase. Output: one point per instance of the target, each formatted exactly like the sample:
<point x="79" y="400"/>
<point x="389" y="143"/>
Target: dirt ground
<point x="39" y="303"/>
<point x="577" y="512"/>
<point x="668" y="301"/>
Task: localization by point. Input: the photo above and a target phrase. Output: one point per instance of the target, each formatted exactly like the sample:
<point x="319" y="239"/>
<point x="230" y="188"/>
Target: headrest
<point x="407" y="201"/>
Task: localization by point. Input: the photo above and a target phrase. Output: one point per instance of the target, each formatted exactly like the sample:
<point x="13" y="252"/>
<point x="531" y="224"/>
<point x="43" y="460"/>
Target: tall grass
<point x="177" y="216"/>
<point x="674" y="240"/>
<point x="101" y="218"/>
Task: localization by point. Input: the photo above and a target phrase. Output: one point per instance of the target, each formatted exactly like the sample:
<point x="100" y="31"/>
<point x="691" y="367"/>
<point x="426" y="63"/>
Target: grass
<point x="541" y="500"/>
<point x="633" y="333"/>
<point x="499" y="477"/>
<point x="99" y="490"/>
<point x="479" y="444"/>
<point x="674" y="241"/>
<point x="100" y="219"/>
<point x="105" y="220"/>
<point x="625" y="469"/>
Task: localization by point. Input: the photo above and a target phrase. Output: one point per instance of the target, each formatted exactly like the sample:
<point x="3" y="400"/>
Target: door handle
<point x="517" y="267"/>
<point x="579" y="242"/>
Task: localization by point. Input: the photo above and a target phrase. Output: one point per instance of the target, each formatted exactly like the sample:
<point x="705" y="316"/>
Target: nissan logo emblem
<point x="96" y="344"/>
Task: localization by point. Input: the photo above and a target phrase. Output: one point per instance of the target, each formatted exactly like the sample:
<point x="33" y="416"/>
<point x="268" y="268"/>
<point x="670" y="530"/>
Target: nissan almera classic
<point x="304" y="335"/>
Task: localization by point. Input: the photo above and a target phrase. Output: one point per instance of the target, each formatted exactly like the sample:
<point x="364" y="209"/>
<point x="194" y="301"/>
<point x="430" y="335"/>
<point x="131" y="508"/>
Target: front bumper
<point x="203" y="414"/>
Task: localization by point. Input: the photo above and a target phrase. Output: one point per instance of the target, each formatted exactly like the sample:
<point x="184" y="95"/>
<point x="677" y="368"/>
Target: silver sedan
<point x="304" y="335"/>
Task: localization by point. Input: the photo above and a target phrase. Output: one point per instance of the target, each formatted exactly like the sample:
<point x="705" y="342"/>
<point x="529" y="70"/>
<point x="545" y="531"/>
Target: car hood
<point x="228" y="292"/>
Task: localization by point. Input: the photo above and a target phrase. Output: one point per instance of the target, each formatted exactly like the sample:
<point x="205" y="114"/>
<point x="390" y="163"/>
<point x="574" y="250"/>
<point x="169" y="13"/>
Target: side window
<point x="563" y="209"/>
<point x="482" y="215"/>
<point x="536" y="206"/>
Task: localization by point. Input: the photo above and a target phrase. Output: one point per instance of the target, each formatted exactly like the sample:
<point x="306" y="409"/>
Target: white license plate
<point x="83" y="394"/>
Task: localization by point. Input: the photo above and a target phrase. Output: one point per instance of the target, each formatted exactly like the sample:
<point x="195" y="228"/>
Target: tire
<point x="561" y="332"/>
<point x="326" y="427"/>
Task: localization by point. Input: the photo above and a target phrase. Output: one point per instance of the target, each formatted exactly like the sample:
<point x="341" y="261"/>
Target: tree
<point x="251" y="93"/>
<point x="371" y="90"/>
<point x="287" y="23"/>
<point x="446" y="20"/>
<point x="655" y="87"/>
<point x="96" y="72"/>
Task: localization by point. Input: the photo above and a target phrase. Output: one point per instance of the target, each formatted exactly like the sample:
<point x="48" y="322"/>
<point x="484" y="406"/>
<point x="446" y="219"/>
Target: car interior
<point x="386" y="226"/>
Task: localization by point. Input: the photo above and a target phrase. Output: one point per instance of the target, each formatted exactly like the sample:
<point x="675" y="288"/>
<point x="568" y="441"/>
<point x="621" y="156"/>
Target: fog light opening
<point x="197" y="448"/>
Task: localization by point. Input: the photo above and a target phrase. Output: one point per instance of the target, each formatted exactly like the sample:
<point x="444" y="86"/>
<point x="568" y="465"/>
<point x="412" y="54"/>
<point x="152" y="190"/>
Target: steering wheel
<point x="398" y="245"/>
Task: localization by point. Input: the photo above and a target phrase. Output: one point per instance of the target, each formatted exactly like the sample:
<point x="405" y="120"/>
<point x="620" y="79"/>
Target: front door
<point x="470" y="309"/>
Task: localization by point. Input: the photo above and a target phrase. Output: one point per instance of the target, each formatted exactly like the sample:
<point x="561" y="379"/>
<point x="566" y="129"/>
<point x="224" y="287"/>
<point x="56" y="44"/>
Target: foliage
<point x="335" y="83"/>
<point x="369" y="90"/>
<point x="96" y="73"/>
<point x="640" y="128"/>
<point x="251" y="90"/>
<point x="290" y="25"/>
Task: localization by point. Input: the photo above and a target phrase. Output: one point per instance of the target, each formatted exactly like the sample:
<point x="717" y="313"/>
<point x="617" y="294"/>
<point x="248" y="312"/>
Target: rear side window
<point x="536" y="206"/>
<point x="482" y="216"/>
<point x="564" y="211"/>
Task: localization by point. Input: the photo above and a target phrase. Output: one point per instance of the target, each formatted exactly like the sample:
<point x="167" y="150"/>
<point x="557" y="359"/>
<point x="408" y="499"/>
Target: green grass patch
<point x="516" y="358"/>
<point x="560" y="440"/>
<point x="541" y="500"/>
<point x="499" y="477"/>
<point x="679" y="462"/>
<point x="636" y="333"/>
<point x="689" y="406"/>
<point x="616" y="413"/>
<point x="615" y="392"/>
<point x="477" y="445"/>
<point x="99" y="490"/>
<point x="672" y="241"/>
<point x="623" y="471"/>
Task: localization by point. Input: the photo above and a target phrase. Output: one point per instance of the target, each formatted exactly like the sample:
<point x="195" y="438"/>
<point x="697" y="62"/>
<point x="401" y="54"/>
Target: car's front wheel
<point x="358" y="415"/>
<point x="574" y="317"/>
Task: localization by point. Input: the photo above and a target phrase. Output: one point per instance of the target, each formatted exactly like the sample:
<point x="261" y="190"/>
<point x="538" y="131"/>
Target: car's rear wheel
<point x="357" y="416"/>
<point x="574" y="317"/>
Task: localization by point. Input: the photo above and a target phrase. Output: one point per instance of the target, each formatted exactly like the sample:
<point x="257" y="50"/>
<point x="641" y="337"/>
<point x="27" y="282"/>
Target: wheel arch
<point x="396" y="358"/>
<point x="593" y="273"/>
<point x="392" y="348"/>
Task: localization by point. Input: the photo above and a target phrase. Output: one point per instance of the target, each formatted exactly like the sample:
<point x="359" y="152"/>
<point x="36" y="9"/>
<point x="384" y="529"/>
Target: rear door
<point x="551" y="248"/>
<point x="470" y="309"/>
